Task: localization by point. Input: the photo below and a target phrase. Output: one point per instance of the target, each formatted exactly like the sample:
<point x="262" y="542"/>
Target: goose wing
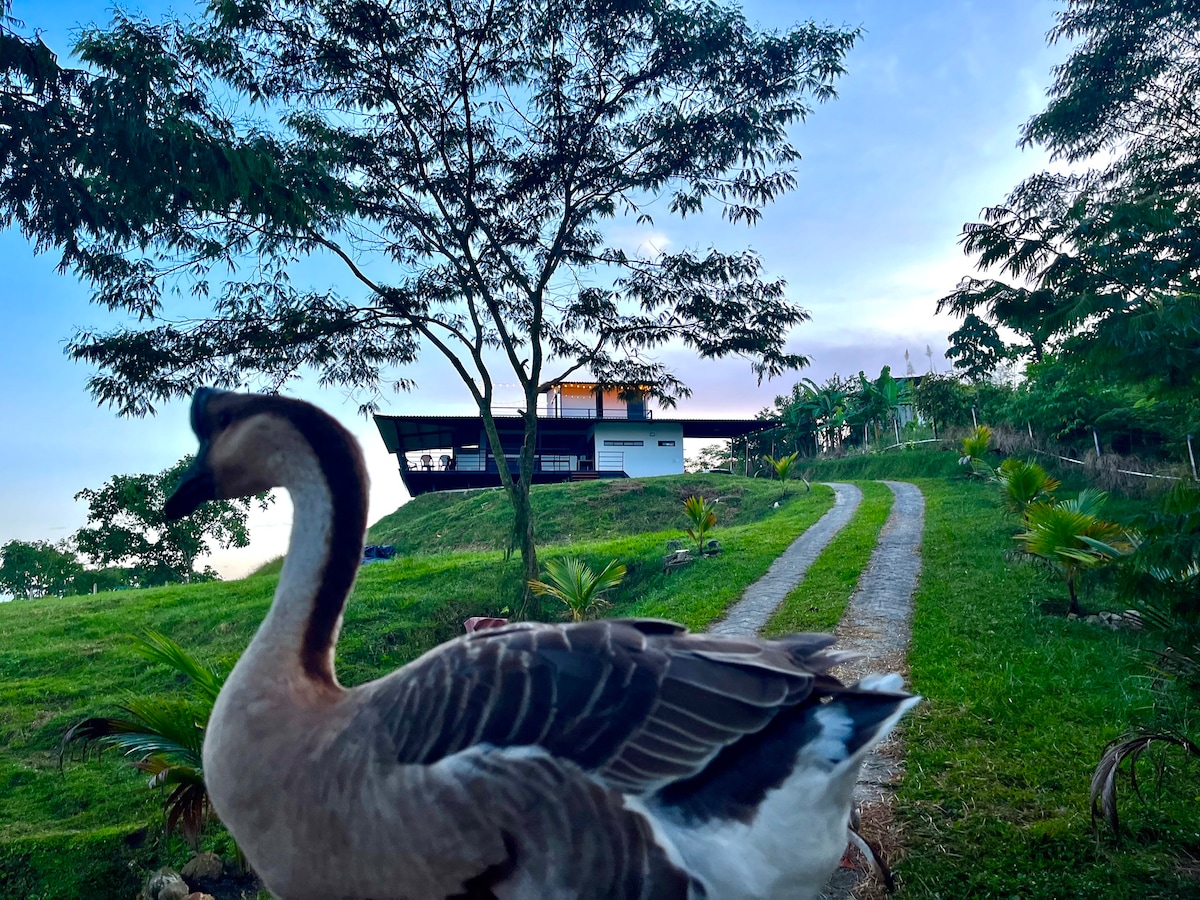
<point x="640" y="703"/>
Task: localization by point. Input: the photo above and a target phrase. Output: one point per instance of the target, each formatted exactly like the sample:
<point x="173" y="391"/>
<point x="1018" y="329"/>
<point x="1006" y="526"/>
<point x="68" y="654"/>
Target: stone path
<point x="877" y="624"/>
<point x="751" y="613"/>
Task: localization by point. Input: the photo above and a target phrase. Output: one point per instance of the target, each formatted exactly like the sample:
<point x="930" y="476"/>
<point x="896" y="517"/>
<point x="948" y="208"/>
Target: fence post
<point x="974" y="421"/>
<point x="1029" y="428"/>
<point x="1096" y="441"/>
<point x="1192" y="456"/>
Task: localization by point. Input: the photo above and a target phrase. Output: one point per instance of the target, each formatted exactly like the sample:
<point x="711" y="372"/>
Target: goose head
<point x="250" y="443"/>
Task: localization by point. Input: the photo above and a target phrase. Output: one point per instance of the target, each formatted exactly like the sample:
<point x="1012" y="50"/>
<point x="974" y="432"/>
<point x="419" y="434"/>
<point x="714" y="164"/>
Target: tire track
<point x="748" y="615"/>
<point x="877" y="623"/>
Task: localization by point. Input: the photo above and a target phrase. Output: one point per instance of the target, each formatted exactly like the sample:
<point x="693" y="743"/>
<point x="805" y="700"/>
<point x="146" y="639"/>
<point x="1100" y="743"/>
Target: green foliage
<point x="38" y="569"/>
<point x="1071" y="538"/>
<point x="126" y="526"/>
<point x="581" y="590"/>
<point x="163" y="736"/>
<point x="1099" y="266"/>
<point x="783" y="468"/>
<point x="473" y="151"/>
<point x="975" y="447"/>
<point x="1022" y="483"/>
<point x="943" y="400"/>
<point x="703" y="516"/>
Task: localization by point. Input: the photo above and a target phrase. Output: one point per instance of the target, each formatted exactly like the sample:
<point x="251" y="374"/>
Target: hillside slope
<point x="62" y="660"/>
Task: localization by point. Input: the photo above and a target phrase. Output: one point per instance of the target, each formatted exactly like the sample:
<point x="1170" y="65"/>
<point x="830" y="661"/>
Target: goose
<point x="620" y="758"/>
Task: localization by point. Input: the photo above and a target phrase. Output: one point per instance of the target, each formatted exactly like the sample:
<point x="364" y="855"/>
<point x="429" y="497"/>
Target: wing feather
<point x="637" y="703"/>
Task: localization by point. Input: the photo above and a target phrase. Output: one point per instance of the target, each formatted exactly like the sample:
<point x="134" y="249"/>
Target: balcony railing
<point x="609" y="461"/>
<point x="582" y="412"/>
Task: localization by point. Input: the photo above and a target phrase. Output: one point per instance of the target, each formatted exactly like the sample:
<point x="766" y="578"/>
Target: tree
<point x="783" y="467"/>
<point x="581" y="590"/>
<point x="1104" y="262"/>
<point x="943" y="400"/>
<point x="458" y="162"/>
<point x="38" y="569"/>
<point x="126" y="526"/>
<point x="1071" y="538"/>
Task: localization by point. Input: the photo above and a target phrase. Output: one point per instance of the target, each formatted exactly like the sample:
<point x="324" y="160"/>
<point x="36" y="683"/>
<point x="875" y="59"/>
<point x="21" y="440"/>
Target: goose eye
<point x="224" y="418"/>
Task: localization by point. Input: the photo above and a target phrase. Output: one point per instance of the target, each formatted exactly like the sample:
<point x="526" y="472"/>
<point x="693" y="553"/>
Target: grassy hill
<point x="76" y="831"/>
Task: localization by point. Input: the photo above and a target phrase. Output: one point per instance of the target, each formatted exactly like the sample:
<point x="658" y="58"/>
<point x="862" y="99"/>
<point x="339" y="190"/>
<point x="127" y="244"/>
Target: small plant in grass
<point x="703" y="516"/>
<point x="1071" y="538"/>
<point x="783" y="468"/>
<point x="581" y="590"/>
<point x="163" y="735"/>
<point x="1023" y="483"/>
<point x="974" y="449"/>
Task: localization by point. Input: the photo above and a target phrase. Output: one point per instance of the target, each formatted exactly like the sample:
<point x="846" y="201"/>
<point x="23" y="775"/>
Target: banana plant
<point x="572" y="581"/>
<point x="162" y="736"/>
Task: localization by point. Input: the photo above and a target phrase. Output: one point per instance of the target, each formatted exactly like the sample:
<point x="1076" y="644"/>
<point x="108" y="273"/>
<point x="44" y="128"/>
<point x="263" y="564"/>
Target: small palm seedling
<point x="703" y="516"/>
<point x="572" y="581"/>
<point x="1071" y="538"/>
<point x="1023" y="483"/>
<point x="974" y="450"/>
<point x="783" y="468"/>
<point x="162" y="736"/>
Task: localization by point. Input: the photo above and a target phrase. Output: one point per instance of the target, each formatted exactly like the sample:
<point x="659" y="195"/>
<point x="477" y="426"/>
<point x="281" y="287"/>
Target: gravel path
<point x="877" y="624"/>
<point x="751" y="613"/>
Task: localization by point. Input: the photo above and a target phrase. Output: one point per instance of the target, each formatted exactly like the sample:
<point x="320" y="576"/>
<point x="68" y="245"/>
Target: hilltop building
<point x="584" y="432"/>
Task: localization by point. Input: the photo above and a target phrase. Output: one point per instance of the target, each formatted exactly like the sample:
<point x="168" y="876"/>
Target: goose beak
<point x="197" y="486"/>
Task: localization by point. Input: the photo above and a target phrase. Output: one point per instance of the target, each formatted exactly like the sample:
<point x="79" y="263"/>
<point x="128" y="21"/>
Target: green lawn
<point x="64" y="659"/>
<point x="1018" y="706"/>
<point x="1019" y="703"/>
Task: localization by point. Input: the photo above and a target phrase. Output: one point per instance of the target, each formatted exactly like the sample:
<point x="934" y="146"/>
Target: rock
<point x="1071" y="617"/>
<point x="196" y="895"/>
<point x="176" y="890"/>
<point x="159" y="881"/>
<point x="203" y="867"/>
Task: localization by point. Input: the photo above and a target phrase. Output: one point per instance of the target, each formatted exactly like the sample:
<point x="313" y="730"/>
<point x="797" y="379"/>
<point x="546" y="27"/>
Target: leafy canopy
<point x="455" y="163"/>
<point x="126" y="526"/>
<point x="38" y="569"/>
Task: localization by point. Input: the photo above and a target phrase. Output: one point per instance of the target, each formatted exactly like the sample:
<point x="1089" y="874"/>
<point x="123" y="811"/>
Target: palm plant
<point x="974" y="450"/>
<point x="1022" y="483"/>
<point x="572" y="581"/>
<point x="703" y="516"/>
<point x="783" y="468"/>
<point x="162" y="736"/>
<point x="1162" y="578"/>
<point x="1071" y="538"/>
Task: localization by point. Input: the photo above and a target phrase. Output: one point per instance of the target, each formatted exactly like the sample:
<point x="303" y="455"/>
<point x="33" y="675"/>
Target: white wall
<point x="650" y="458"/>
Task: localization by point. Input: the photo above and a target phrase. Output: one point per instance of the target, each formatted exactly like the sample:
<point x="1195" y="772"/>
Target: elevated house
<point x="584" y="432"/>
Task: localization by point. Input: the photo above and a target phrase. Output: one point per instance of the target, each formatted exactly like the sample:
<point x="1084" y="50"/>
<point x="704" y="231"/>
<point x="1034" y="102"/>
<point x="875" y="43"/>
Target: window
<point x="666" y="443"/>
<point x="623" y="443"/>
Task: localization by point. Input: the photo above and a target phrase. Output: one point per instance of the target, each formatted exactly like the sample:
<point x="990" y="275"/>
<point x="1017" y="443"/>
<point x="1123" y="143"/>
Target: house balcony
<point x="443" y="471"/>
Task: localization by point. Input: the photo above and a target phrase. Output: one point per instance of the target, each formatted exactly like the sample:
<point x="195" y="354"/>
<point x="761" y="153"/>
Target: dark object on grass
<point x="373" y="553"/>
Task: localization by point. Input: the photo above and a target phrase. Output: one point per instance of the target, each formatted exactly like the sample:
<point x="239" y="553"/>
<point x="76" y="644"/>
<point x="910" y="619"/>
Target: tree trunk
<point x="1073" y="607"/>
<point x="518" y="497"/>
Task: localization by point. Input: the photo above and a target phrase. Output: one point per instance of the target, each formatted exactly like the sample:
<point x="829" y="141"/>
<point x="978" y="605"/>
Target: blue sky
<point x="922" y="136"/>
